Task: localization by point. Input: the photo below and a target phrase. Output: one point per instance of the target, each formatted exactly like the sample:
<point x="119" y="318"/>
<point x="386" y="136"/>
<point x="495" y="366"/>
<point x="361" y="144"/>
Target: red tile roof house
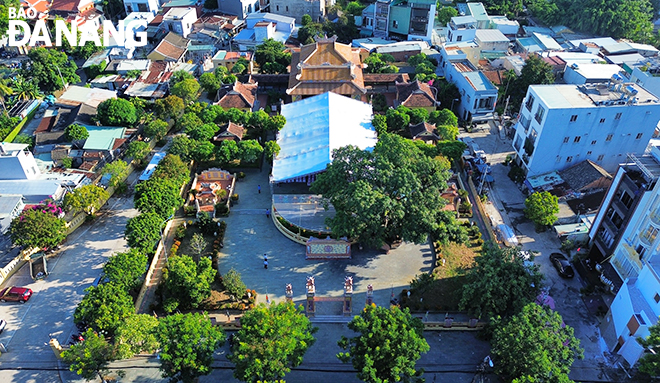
<point x="208" y="184"/>
<point x="78" y="11"/>
<point x="238" y="95"/>
<point x="229" y="131"/>
<point x="415" y="95"/>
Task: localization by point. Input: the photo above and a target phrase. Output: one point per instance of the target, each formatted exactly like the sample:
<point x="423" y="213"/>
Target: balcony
<point x="627" y="262"/>
<point x="647" y="240"/>
<point x="609" y="226"/>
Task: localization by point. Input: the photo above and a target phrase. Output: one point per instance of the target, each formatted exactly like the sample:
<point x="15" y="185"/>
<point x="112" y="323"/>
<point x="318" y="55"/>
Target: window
<point x="651" y="233"/>
<point x="287" y="8"/>
<point x="539" y="114"/>
<point x="602" y="120"/>
<point x="569" y="159"/>
<point x="600" y="157"/>
<point x="609" y="137"/>
<point x="530" y="102"/>
<point x="459" y="38"/>
<point x="641" y="250"/>
<point x="142" y="7"/>
<point x="566" y="139"/>
<point x="618" y="116"/>
<point x="518" y="143"/>
<point x="576" y="139"/>
<point x="589" y="153"/>
<point x="277" y="7"/>
<point x="395" y="24"/>
<point x="593" y="142"/>
<point x="639" y="135"/>
<point x="656" y="298"/>
<point x="626" y="199"/>
<point x="574" y="118"/>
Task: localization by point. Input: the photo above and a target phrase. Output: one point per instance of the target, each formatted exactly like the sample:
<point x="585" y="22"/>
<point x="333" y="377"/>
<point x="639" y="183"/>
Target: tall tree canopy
<point x="380" y="63"/>
<point x="142" y="232"/>
<point x="158" y="195"/>
<point x="187" y="344"/>
<point x="499" y="283"/>
<point x="187" y="283"/>
<point x="126" y="269"/>
<point x="87" y="198"/>
<point x="272" y="340"/>
<point x="389" y="343"/>
<point x="650" y="362"/>
<point x="535" y="71"/>
<point x="49" y="67"/>
<point x="117" y="112"/>
<point x="388" y="194"/>
<point x="37" y="228"/>
<point x="90" y="358"/>
<point x="271" y="57"/>
<point x="104" y="307"/>
<point x="542" y="208"/>
<point x="536" y="344"/>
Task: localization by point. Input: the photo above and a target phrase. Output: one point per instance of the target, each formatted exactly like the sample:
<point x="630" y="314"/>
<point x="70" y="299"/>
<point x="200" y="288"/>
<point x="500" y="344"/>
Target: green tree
<point x="182" y="146"/>
<point x="534" y="343"/>
<point x="4" y="14"/>
<point x="202" y="151"/>
<point x="250" y="150"/>
<point x="172" y="167"/>
<point x="49" y="67"/>
<point x="445" y="14"/>
<point x="202" y="132"/>
<point x="210" y="83"/>
<point x="236" y="116"/>
<point x="499" y="283"/>
<point x="138" y="151"/>
<point x="198" y="244"/>
<point x="443" y="117"/>
<point x="143" y="231"/>
<point x="158" y="195"/>
<point x="87" y="198"/>
<point x="397" y="120"/>
<point x="187" y="90"/>
<point x="169" y="107"/>
<point x="276" y="123"/>
<point x="213" y="113"/>
<point x="135" y="335"/>
<point x="380" y="123"/>
<point x="36" y="228"/>
<point x="133" y="73"/>
<point x="380" y="63"/>
<point x="117" y="112"/>
<point x="389" y="343"/>
<point x="126" y="269"/>
<point x="650" y="362"/>
<point x="187" y="343"/>
<point x="180" y="76"/>
<point x="104" y="307"/>
<point x="118" y="171"/>
<point x="5" y="91"/>
<point x="233" y="283"/>
<point x="452" y="149"/>
<point x="417" y="115"/>
<point x="227" y="151"/>
<point x="90" y="358"/>
<point x="259" y="119"/>
<point x="271" y="57"/>
<point x="271" y="149"/>
<point x="306" y="20"/>
<point x="24" y="89"/>
<point x="535" y="71"/>
<point x="187" y="283"/>
<point x="157" y="129"/>
<point x="307" y="33"/>
<point x="388" y="194"/>
<point x="542" y="208"/>
<point x="273" y="339"/>
<point x="189" y="121"/>
<point x="447" y="132"/>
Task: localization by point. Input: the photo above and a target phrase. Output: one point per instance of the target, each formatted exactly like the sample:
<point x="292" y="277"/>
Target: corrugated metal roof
<point x="102" y="137"/>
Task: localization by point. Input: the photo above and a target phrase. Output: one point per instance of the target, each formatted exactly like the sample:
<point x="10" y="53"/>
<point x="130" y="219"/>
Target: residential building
<point x="80" y="12"/>
<point x="17" y="163"/>
<point x="416" y="95"/>
<point x="404" y="20"/>
<point x="153" y="83"/>
<point x="326" y="66"/>
<point x="229" y="59"/>
<point x="508" y="27"/>
<point x="478" y="94"/>
<point x="41" y="6"/>
<point x="179" y="20"/>
<point x="150" y="6"/>
<point x="262" y="26"/>
<point x="11" y="207"/>
<point x="75" y="95"/>
<point x="648" y="78"/>
<point x="491" y="40"/>
<point x="298" y="8"/>
<point x="183" y="4"/>
<point x="590" y="73"/>
<point x="562" y="124"/>
<point x="240" y="8"/>
<point x="315" y="127"/>
<point x="538" y="42"/>
<point x="625" y="233"/>
<point x="479" y="13"/>
<point x="213" y="29"/>
<point x="172" y="48"/>
<point x="367" y="26"/>
<point x="238" y="95"/>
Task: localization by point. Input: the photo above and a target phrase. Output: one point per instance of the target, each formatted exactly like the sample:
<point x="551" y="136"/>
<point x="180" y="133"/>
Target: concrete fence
<point x="161" y="252"/>
<point x="482" y="211"/>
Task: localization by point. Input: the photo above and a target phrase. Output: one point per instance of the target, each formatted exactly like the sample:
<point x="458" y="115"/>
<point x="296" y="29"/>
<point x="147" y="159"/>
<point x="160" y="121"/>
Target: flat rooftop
<point x="566" y="96"/>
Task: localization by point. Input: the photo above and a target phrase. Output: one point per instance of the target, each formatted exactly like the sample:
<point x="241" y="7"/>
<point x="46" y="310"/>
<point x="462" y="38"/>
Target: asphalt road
<point x="50" y="310"/>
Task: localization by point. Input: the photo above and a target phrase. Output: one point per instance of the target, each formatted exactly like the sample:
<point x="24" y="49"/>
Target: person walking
<point x="266" y="263"/>
<point x="259" y="188"/>
<point x="267" y="213"/>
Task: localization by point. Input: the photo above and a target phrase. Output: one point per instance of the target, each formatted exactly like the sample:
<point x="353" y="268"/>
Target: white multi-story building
<point x="560" y="125"/>
<point x="461" y="28"/>
<point x="180" y="20"/>
<point x="625" y="232"/>
<point x="150" y="6"/>
<point x="478" y="94"/>
<point x="404" y="20"/>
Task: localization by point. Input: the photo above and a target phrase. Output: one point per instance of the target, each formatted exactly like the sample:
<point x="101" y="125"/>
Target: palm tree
<point x="5" y="91"/>
<point x="25" y="89"/>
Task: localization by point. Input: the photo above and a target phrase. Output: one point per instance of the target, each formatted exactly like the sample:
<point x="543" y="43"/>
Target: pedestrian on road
<point x="267" y="213"/>
<point x="265" y="257"/>
<point x="259" y="188"/>
<point x="266" y="264"/>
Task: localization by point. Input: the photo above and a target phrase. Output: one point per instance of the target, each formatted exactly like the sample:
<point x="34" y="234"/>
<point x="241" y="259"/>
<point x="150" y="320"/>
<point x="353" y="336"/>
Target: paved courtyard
<point x="250" y="235"/>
